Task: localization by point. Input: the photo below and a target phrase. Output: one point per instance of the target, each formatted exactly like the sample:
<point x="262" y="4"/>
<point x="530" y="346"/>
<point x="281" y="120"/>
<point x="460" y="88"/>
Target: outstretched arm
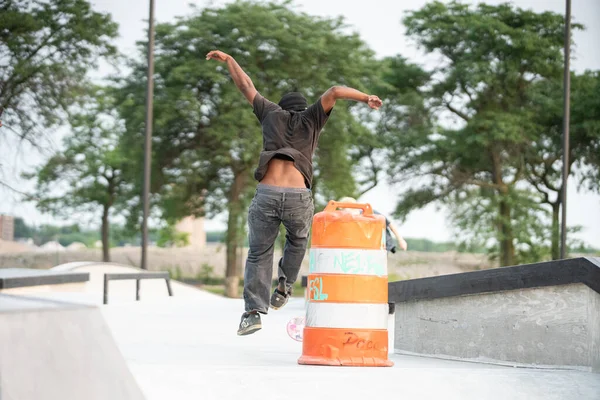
<point x="346" y="93"/>
<point x="401" y="241"/>
<point x="241" y="79"/>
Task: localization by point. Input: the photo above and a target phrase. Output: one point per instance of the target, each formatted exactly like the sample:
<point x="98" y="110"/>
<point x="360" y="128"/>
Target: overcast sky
<point x="379" y="23"/>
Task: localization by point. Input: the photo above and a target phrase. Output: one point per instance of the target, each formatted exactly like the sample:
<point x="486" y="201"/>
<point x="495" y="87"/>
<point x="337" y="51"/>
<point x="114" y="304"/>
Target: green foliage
<point x="22" y="231"/>
<point x="46" y="49"/>
<point x="543" y="158"/>
<point x="474" y="213"/>
<point x="88" y="174"/>
<point x="175" y="273"/>
<point x="429" y="246"/>
<point x="169" y="237"/>
<point x="215" y="237"/>
<point x="582" y="248"/>
<point x="473" y="157"/>
<point x="206" y="276"/>
<point x="68" y="234"/>
<point x="88" y="239"/>
<point x="585" y="127"/>
<point x="65" y="235"/>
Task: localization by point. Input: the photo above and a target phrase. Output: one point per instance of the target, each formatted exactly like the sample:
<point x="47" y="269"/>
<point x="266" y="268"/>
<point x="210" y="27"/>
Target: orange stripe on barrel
<point x="338" y="288"/>
<point x="350" y="347"/>
<point x="345" y="230"/>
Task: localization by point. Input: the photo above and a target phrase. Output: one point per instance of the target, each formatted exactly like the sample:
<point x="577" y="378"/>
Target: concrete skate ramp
<point x="56" y="350"/>
<point x="544" y="315"/>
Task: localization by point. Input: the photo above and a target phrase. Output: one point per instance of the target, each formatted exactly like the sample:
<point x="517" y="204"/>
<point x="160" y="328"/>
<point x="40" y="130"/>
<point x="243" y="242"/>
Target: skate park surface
<point x="186" y="347"/>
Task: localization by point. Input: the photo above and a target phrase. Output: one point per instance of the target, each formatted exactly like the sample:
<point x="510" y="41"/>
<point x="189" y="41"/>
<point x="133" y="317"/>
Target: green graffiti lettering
<point x="315" y="287"/>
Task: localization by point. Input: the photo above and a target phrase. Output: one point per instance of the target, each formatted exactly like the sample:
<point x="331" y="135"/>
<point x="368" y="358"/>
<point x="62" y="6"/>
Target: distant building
<point x="7" y="228"/>
<point x="195" y="228"/>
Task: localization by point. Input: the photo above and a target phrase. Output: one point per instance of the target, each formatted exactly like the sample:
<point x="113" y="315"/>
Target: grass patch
<point x="398" y="277"/>
<point x="206" y="281"/>
<point x="410" y="261"/>
<point x="220" y="290"/>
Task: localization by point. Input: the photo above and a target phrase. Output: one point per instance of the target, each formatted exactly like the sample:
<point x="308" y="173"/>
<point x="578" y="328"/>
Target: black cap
<point x="293" y="101"/>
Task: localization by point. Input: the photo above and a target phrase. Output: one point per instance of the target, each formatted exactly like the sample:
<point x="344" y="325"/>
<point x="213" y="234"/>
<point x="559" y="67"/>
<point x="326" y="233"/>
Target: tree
<point x="585" y="126"/>
<point x="22" y="230"/>
<point x="207" y="139"/>
<point x="479" y="99"/>
<point x="543" y="160"/>
<point x="88" y="174"/>
<point x="46" y="49"/>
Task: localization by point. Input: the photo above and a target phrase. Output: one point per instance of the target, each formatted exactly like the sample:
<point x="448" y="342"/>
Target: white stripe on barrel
<point x="347" y="261"/>
<point x="345" y="315"/>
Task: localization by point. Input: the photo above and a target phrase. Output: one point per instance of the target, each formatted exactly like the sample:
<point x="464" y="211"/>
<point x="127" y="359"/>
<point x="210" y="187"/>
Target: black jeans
<point x="270" y="207"/>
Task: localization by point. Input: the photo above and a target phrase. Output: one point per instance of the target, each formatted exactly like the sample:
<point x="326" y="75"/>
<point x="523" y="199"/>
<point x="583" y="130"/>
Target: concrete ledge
<point x="537" y="315"/>
<point x="584" y="270"/>
<point x="56" y="350"/>
<point x="24" y="277"/>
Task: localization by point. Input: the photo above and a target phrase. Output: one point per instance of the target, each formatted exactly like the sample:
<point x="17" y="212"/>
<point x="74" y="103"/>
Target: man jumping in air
<point x="290" y="131"/>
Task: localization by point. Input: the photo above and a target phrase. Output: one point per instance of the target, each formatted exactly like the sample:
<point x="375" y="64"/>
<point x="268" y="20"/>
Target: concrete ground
<point x="186" y="347"/>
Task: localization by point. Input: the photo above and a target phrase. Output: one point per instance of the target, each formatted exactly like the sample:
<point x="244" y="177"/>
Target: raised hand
<point x="217" y="55"/>
<point x="374" y="102"/>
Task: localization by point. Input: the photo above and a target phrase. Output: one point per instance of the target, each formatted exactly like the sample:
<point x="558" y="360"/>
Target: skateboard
<point x="295" y="328"/>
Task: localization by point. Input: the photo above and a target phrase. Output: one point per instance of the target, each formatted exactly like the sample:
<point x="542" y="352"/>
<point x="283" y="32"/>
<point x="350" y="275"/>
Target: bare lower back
<point x="283" y="173"/>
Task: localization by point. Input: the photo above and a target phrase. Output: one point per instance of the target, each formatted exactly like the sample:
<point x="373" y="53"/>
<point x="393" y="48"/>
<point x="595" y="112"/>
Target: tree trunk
<point x="504" y="224"/>
<point x="105" y="238"/>
<point x="555" y="230"/>
<point x="232" y="239"/>
<point x="507" y="246"/>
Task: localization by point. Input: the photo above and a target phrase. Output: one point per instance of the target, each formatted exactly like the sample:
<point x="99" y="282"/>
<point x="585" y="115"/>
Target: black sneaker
<point x="279" y="299"/>
<point x="250" y="323"/>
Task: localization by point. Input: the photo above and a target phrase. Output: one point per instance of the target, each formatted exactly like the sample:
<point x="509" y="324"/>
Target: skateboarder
<point x="291" y="130"/>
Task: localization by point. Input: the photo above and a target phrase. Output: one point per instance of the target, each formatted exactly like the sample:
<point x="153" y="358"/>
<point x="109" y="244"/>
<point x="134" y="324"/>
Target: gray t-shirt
<point x="289" y="134"/>
<point x="389" y="241"/>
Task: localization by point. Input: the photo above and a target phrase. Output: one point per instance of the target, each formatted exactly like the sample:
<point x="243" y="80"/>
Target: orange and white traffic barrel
<point x="347" y="310"/>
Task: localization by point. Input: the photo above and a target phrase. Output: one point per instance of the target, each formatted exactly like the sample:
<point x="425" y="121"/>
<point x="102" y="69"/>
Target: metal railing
<point x="137" y="277"/>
